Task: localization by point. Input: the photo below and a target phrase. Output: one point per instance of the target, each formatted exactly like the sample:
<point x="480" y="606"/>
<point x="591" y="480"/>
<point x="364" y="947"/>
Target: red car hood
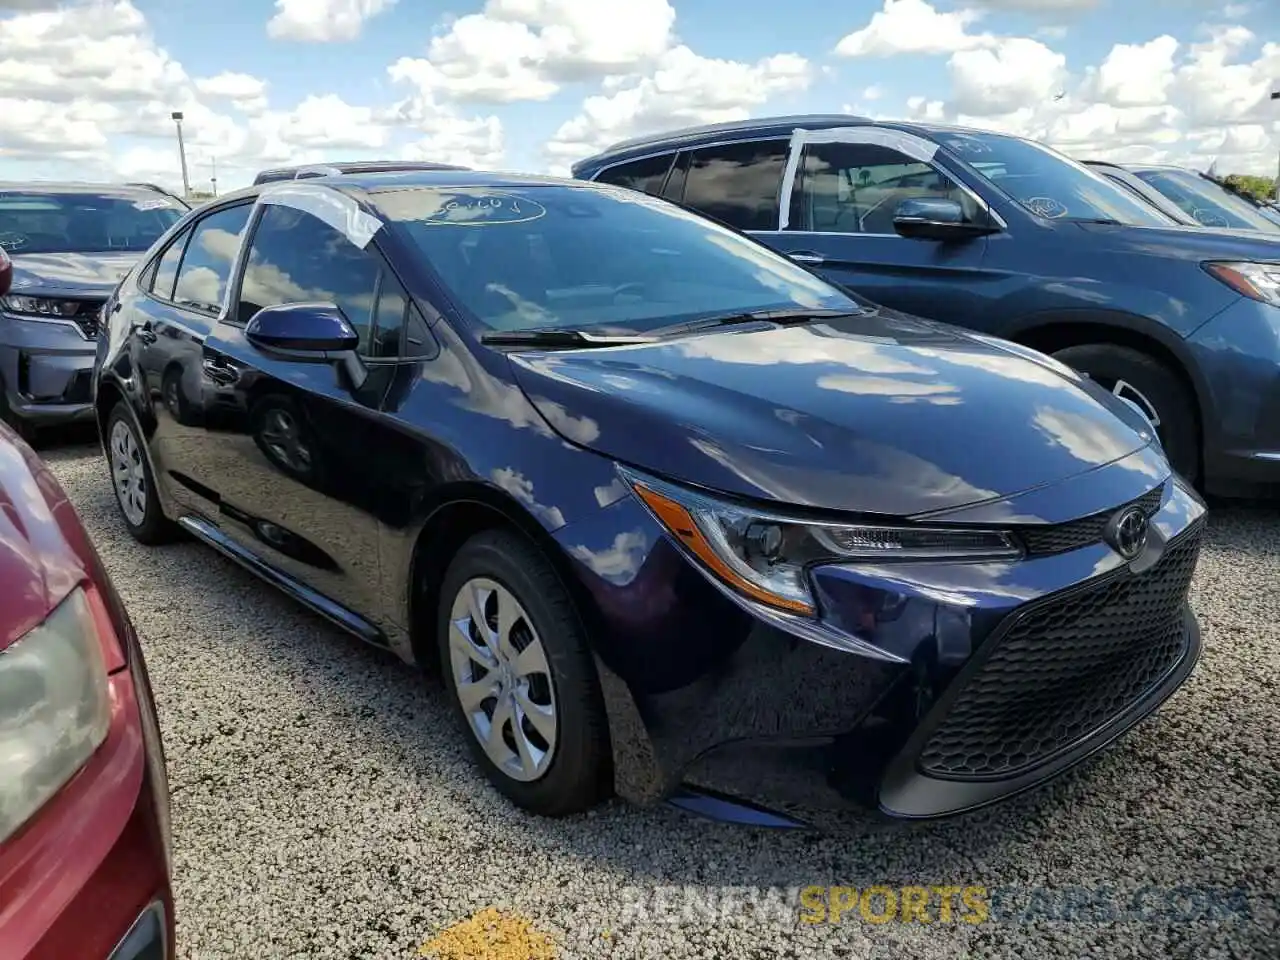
<point x="39" y="550"/>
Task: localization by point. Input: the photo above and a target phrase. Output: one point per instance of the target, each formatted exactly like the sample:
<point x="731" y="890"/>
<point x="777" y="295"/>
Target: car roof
<point x="758" y="128"/>
<point x="70" y="186"/>
<point x="353" y="166"/>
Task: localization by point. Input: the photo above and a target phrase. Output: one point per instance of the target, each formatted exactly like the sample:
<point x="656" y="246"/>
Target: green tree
<point x="1262" y="188"/>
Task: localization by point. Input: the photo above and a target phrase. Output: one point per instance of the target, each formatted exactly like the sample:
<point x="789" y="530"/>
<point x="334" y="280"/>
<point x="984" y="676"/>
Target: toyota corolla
<point x="674" y="517"/>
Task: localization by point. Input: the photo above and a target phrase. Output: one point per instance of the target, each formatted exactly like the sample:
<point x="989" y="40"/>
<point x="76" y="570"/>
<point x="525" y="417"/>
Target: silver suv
<point x="70" y="243"/>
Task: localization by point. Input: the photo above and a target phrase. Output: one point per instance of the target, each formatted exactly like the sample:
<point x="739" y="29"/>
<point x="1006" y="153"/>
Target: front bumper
<point x="1238" y="356"/>
<point x="46" y="369"/>
<point x="83" y="876"/>
<point x="959" y="684"/>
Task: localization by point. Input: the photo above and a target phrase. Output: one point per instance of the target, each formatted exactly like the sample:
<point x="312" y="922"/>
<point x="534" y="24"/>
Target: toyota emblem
<point x="1127" y="532"/>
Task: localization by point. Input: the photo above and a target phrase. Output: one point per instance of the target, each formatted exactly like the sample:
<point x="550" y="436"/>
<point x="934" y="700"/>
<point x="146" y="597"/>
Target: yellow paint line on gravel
<point x="490" y="934"/>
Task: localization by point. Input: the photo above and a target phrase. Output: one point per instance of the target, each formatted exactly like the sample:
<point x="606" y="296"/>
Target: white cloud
<point x="248" y="94"/>
<point x="526" y="49"/>
<point x="1137" y="75"/>
<point x="323" y="21"/>
<point x="913" y="26"/>
<point x="1015" y="72"/>
<point x="685" y="89"/>
<point x="1038" y="6"/>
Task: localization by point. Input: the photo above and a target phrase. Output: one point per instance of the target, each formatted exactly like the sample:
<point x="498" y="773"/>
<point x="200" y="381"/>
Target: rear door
<point x="296" y="454"/>
<point x="183" y="291"/>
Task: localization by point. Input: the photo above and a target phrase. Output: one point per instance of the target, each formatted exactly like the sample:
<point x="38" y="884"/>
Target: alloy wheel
<point x="282" y="437"/>
<point x="128" y="474"/>
<point x="502" y="679"/>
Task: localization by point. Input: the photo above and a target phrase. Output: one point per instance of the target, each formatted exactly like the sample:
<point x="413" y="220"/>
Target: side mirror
<point x="308" y="333"/>
<point x="6" y="272"/>
<point x="935" y="218"/>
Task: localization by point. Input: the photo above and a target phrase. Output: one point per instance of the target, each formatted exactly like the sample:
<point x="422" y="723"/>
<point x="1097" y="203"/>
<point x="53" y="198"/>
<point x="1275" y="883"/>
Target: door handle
<point x="218" y="371"/>
<point x="804" y="256"/>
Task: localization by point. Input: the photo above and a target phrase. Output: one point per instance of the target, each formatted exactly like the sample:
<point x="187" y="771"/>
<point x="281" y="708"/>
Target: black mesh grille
<point x="89" y="318"/>
<point x="1042" y="541"/>
<point x="1061" y="671"/>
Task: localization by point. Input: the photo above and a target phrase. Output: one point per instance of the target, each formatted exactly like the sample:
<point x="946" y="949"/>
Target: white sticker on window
<point x="905" y="143"/>
<point x="324" y="203"/>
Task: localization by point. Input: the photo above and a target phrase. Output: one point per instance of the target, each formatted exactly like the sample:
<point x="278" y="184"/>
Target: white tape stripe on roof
<point x="334" y="208"/>
<point x="913" y="146"/>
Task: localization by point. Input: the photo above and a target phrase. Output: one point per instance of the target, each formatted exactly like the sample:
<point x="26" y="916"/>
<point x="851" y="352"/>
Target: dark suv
<point x="1011" y="238"/>
<point x="70" y="244"/>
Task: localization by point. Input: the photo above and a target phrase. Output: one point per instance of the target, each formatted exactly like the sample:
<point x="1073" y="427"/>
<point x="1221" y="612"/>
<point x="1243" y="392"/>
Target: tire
<point x="146" y="523"/>
<point x="573" y="774"/>
<point x="1152" y="385"/>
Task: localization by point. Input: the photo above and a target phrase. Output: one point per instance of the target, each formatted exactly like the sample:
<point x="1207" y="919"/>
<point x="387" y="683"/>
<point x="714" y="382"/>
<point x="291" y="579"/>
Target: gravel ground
<point x="325" y="807"/>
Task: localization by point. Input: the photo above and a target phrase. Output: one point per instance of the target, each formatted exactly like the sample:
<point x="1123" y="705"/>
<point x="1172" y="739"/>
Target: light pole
<point x="182" y="154"/>
<point x="214" y="179"/>
<point x="1275" y="95"/>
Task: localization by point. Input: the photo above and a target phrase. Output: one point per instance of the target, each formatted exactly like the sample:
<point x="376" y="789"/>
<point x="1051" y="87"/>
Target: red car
<point x="84" y="803"/>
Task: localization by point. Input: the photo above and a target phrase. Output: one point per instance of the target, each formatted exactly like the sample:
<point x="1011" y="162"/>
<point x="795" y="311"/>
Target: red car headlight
<point x="55" y="709"/>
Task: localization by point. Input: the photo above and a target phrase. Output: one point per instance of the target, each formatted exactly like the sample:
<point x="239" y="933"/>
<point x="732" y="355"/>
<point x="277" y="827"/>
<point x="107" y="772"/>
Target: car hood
<point x="69" y="274"/>
<point x="40" y="549"/>
<point x="882" y="414"/>
<point x="1191" y="243"/>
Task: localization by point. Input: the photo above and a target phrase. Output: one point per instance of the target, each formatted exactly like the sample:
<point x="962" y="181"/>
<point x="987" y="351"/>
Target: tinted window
<point x="1047" y="183"/>
<point x="737" y="183"/>
<point x="1206" y="202"/>
<point x="55" y="222"/>
<point x="166" y="269"/>
<point x="592" y="256"/>
<point x="856" y="188"/>
<point x="211" y="254"/>
<point x="297" y="258"/>
<point x="645" y="175"/>
<point x="388" y="319"/>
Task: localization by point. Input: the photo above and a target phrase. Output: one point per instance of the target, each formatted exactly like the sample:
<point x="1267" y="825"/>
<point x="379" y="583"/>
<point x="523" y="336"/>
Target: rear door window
<point x="737" y="183"/>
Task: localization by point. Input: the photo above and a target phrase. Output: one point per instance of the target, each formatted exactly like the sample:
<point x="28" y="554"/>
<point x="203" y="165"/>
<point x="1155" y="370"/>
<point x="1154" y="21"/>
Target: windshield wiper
<point x="558" y="338"/>
<point x="783" y="317"/>
<point x="1105" y="221"/>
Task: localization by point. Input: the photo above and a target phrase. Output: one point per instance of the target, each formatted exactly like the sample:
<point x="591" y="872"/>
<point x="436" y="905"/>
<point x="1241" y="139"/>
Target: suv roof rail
<point x="156" y="187"/>
<point x="730" y="126"/>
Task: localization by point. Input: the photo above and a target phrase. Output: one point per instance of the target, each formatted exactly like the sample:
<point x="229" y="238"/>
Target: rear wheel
<point x="518" y="669"/>
<point x="1163" y="396"/>
<point x="133" y="483"/>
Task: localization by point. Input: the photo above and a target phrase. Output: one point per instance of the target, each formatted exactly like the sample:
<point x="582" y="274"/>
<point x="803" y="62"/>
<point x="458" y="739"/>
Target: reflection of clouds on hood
<point x="485" y="394"/>
<point x="621" y="562"/>
<point x="800" y="346"/>
<point x="71" y="269"/>
<point x="1002" y="365"/>
<point x="611" y="493"/>
<point x="898" y="391"/>
<point x="898" y="476"/>
<point x="520" y="487"/>
<point x="1089" y="439"/>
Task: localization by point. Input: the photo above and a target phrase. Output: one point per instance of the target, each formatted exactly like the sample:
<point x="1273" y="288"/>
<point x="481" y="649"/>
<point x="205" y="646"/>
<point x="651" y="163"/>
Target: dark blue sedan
<point x="674" y="517"/>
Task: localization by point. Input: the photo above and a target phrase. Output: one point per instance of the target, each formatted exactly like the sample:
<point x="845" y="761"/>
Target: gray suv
<point x="70" y="243"/>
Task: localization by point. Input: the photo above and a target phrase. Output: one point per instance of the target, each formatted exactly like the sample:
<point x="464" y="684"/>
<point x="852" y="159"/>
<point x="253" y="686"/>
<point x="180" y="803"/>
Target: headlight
<point x="55" y="709"/>
<point x="1257" y="281"/>
<point x="765" y="555"/>
<point x="40" y="306"/>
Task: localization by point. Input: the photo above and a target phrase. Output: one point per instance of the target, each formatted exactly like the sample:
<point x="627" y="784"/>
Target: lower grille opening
<point x="1060" y="672"/>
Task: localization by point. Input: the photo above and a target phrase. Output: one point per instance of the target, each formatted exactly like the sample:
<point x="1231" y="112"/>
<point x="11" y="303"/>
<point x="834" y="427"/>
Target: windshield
<point x="1047" y="183"/>
<point x="1206" y="202"/>
<point x="34" y="222"/>
<point x="531" y="257"/>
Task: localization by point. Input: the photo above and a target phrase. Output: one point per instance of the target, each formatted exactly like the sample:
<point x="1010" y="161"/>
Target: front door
<point x="839" y="196"/>
<point x="297" y="448"/>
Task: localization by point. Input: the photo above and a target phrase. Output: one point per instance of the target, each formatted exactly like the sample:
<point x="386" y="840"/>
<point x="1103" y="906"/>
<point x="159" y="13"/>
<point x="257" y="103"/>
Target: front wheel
<point x="1162" y="396"/>
<point x="519" y="672"/>
<point x="133" y="483"/>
